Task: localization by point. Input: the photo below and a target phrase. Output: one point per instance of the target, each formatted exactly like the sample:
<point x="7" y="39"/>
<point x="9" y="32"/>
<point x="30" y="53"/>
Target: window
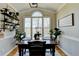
<point x="37" y="14"/>
<point x="46" y="27"/>
<point x="37" y="23"/>
<point x="28" y="27"/>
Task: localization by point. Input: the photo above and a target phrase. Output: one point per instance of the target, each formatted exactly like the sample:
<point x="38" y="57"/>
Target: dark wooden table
<point x="23" y="45"/>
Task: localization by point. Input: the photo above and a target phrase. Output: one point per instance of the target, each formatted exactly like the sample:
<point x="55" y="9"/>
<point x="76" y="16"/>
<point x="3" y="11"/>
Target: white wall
<point x="8" y="41"/>
<point x="69" y="40"/>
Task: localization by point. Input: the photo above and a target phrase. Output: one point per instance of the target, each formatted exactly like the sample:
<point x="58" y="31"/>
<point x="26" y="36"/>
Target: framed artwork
<point x="66" y="21"/>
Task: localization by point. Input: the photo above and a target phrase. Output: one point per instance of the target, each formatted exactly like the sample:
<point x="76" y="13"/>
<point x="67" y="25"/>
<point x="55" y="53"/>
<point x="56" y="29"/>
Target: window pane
<point x="42" y="25"/>
<point x="46" y="33"/>
<point x="36" y="26"/>
<point x="37" y="14"/>
<point x="28" y="27"/>
<point x="34" y="22"/>
<point x="46" y="22"/>
<point x="27" y="22"/>
<point x="46" y="27"/>
<point x="40" y="22"/>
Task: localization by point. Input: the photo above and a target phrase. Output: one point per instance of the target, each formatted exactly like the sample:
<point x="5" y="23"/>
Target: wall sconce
<point x="33" y="5"/>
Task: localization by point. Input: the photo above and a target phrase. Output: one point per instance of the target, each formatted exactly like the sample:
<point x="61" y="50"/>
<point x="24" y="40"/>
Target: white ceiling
<point x="48" y="6"/>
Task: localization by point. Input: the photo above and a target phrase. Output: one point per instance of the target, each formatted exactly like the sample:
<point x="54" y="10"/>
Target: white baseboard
<point x="64" y="51"/>
<point x="10" y="51"/>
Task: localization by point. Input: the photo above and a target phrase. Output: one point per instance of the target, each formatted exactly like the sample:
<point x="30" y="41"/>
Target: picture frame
<point x="66" y="21"/>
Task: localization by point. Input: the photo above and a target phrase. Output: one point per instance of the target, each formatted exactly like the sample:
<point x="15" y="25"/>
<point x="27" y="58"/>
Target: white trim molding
<point x="10" y="5"/>
<point x="64" y="51"/>
<point x="10" y="51"/>
<point x="61" y="7"/>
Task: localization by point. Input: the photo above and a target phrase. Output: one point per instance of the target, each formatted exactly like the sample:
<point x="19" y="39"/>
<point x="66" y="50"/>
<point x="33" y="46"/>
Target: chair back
<point x="37" y="48"/>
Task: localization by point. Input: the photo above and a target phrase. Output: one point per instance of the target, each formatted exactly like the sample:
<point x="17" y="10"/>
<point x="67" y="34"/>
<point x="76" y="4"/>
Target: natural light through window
<point x="37" y="23"/>
<point x="37" y="14"/>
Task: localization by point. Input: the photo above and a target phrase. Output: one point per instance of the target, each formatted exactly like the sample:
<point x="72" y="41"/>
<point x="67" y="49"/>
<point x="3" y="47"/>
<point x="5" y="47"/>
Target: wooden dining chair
<point x="37" y="48"/>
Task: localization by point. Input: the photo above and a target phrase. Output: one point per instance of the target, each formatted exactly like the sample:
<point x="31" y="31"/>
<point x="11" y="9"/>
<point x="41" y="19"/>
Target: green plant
<point x="56" y="33"/>
<point x="51" y="31"/>
<point x="19" y="35"/>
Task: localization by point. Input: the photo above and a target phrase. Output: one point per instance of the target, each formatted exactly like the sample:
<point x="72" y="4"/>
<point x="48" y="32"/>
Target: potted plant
<point x="51" y="33"/>
<point x="19" y="35"/>
<point x="56" y="33"/>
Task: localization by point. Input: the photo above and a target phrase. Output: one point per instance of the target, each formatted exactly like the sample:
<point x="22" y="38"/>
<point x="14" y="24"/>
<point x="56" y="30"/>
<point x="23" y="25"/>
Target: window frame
<point x="42" y="23"/>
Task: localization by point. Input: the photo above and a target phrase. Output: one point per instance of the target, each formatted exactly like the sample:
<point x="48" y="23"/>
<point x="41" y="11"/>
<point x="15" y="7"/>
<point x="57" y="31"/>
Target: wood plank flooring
<point x="12" y="53"/>
<point x="60" y="51"/>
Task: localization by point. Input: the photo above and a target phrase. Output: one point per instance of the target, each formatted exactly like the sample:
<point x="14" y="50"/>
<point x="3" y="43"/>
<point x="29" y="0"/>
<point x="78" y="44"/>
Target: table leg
<point x="53" y="50"/>
<point x="19" y="50"/>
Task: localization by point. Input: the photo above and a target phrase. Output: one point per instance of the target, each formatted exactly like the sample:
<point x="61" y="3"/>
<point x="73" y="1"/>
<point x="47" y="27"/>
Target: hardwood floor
<point x="60" y="51"/>
<point x="12" y="53"/>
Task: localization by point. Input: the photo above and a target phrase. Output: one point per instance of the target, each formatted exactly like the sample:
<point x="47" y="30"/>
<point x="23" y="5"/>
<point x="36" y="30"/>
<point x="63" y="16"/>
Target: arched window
<point x="37" y="14"/>
<point x="37" y="23"/>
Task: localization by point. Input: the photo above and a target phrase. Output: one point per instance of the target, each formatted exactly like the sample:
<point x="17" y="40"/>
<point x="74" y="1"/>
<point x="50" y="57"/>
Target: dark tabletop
<point x="47" y="41"/>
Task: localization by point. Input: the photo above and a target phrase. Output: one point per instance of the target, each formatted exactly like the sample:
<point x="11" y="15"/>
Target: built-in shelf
<point x="10" y="16"/>
<point x="10" y="19"/>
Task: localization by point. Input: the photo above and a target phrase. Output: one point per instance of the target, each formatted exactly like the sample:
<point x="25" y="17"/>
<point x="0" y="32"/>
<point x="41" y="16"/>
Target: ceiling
<point x="20" y="7"/>
<point x="48" y="6"/>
